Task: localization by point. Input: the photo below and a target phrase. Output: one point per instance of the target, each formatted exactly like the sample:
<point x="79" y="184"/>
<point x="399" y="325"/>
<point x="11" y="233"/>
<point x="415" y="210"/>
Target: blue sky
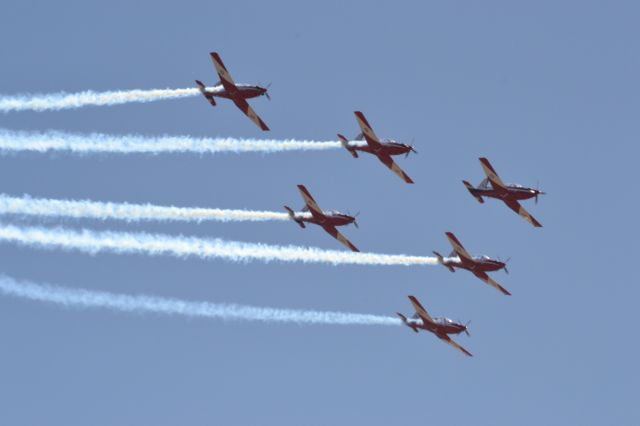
<point x="548" y="91"/>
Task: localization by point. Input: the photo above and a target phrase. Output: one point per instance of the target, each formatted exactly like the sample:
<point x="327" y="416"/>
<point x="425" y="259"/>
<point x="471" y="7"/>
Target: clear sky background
<point x="547" y="90"/>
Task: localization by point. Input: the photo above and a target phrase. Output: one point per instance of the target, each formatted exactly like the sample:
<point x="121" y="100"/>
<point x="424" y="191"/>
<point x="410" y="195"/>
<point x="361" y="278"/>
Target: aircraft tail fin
<point x="345" y="143"/>
<point x="203" y="90"/>
<point x="441" y="261"/>
<point x="405" y="322"/>
<point x="472" y="191"/>
<point x="292" y="216"/>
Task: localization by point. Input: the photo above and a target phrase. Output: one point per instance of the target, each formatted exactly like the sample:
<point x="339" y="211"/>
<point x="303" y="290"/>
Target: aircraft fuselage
<point x="388" y="147"/>
<point x="439" y="326"/>
<point x="513" y="192"/>
<point x="330" y="218"/>
<point x="245" y="90"/>
<point x="479" y="264"/>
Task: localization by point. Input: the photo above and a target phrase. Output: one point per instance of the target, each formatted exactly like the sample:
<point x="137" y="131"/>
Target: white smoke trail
<point x="96" y="143"/>
<point x="129" y="212"/>
<point x="80" y="298"/>
<point x="92" y="242"/>
<point x="58" y="101"/>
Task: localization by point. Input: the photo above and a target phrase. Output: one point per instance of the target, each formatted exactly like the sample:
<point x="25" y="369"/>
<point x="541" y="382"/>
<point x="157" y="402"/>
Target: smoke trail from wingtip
<point x="93" y="242"/>
<point x="96" y="143"/>
<point x="62" y="100"/>
<point x="129" y="212"/>
<point x="80" y="298"/>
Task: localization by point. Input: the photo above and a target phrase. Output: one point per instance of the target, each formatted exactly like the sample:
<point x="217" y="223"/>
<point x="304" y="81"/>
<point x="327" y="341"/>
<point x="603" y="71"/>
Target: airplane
<point x="383" y="150"/>
<point x="507" y="193"/>
<point x="477" y="265"/>
<point x="328" y="220"/>
<point x="441" y="327"/>
<point x="238" y="93"/>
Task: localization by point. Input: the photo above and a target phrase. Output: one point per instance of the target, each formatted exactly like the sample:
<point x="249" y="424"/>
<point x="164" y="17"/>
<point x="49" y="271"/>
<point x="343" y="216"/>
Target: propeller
<point x="538" y="192"/>
<point x="266" y="92"/>
<point x="505" y="266"/>
<point x="466" y="328"/>
<point x="411" y="148"/>
<point x="355" y="223"/>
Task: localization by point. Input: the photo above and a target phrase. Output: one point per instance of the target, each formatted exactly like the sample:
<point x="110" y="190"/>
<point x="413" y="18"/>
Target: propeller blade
<point x="505" y="265"/>
<point x="538" y="192"/>
<point x="356" y="224"/>
<point x="466" y="328"/>
<point x="411" y="148"/>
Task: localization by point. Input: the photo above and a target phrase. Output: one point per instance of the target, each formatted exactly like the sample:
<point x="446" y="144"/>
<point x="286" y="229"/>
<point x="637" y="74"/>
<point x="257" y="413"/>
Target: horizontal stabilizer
<point x="472" y="191"/>
<point x="292" y="216"/>
<point x="345" y="143"/>
<point x="203" y="90"/>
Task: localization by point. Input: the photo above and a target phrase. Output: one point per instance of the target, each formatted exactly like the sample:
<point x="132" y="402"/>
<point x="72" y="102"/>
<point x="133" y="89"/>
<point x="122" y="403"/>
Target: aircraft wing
<point x="487" y="279"/>
<point x="491" y="174"/>
<point x="367" y="131"/>
<point x="311" y="204"/>
<point x="225" y="77"/>
<point x="420" y="310"/>
<point x="458" y="248"/>
<point x="448" y="340"/>
<point x="388" y="161"/>
<point x="516" y="207"/>
<point x="249" y="112"/>
<point x="331" y="230"/>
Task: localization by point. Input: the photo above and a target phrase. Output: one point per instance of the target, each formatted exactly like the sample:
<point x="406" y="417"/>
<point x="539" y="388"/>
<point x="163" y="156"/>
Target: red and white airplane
<point x="312" y="213"/>
<point x="441" y="327"/>
<point x="507" y="193"/>
<point x="238" y="93"/>
<point x="382" y="150"/>
<point x="477" y="265"/>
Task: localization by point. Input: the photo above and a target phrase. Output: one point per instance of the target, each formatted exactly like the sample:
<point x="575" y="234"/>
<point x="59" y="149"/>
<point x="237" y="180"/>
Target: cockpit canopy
<point x="482" y="257"/>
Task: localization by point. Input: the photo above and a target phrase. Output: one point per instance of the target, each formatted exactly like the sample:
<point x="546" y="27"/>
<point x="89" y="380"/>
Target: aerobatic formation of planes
<point x="367" y="142"/>
<point x="491" y="187"/>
